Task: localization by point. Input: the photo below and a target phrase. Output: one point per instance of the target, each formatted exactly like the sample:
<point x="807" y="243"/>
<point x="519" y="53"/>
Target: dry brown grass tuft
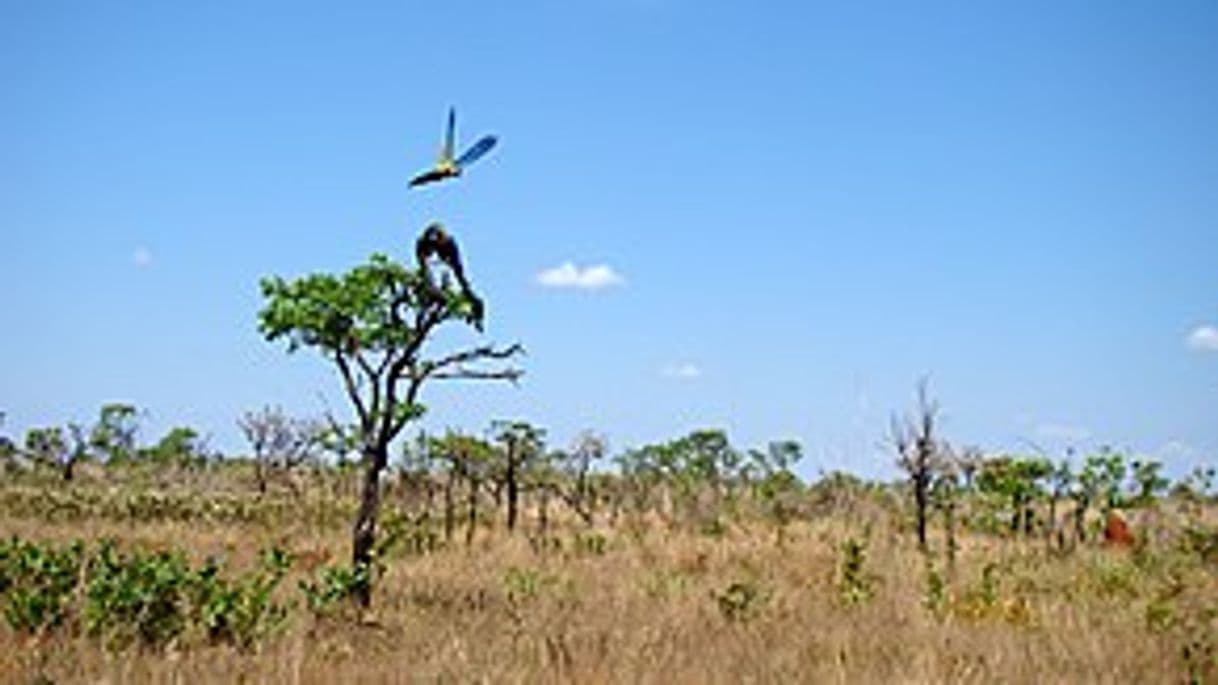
<point x="667" y="606"/>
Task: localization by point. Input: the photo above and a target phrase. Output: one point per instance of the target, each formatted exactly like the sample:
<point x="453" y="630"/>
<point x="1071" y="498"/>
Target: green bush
<point x="37" y="583"/>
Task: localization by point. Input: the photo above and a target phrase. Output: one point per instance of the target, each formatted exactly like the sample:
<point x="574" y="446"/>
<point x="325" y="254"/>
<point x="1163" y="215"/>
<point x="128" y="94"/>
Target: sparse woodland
<point x="503" y="556"/>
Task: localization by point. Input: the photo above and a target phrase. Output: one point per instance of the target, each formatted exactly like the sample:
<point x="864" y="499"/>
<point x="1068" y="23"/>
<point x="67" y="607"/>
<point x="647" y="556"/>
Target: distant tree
<point x="113" y="437"/>
<point x="47" y="447"/>
<point x="576" y="466"/>
<point x="180" y="446"/>
<point x="774" y="483"/>
<point x="279" y="442"/>
<point x="77" y="452"/>
<point x="1061" y="480"/>
<point x="917" y="448"/>
<point x="945" y="492"/>
<point x="371" y="323"/>
<point x="696" y="471"/>
<point x="1017" y="480"/>
<point x="520" y="445"/>
<point x="1148" y="481"/>
<point x="1098" y="484"/>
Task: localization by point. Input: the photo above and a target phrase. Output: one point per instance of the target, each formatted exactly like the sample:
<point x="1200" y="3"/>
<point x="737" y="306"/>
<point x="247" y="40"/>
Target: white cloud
<point x="1204" y="338"/>
<point x="1061" y="431"/>
<point x="568" y="275"/>
<point x="684" y="371"/>
<point x="142" y="257"/>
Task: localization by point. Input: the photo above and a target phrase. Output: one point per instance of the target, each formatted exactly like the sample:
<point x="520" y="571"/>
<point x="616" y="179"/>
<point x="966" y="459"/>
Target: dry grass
<point x="649" y="610"/>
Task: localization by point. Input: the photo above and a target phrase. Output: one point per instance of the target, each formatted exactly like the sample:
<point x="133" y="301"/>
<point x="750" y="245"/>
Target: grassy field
<point x="843" y="595"/>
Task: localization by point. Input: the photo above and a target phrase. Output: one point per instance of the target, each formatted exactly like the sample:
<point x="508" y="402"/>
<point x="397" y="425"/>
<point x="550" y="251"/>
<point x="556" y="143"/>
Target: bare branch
<point x="511" y="375"/>
<point x="434" y="367"/>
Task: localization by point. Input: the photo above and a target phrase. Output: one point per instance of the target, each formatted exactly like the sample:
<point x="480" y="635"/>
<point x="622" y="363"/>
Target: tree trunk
<point x="920" y="504"/>
<point x="364" y="535"/>
<point x="449" y="506"/>
<point x="513" y="488"/>
<point x="543" y="513"/>
<point x="473" y="512"/>
<point x="949" y="513"/>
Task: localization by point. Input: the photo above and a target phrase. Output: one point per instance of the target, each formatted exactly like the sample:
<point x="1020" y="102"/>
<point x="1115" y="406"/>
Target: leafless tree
<point x="918" y="452"/>
<point x="280" y="442"/>
<point x="576" y="464"/>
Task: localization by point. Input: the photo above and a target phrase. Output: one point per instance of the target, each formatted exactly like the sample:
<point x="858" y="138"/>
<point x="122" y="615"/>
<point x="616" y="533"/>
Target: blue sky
<point x="789" y="211"/>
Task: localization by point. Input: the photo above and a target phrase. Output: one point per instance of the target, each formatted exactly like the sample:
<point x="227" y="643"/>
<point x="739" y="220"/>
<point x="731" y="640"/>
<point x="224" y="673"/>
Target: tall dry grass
<point x="662" y="605"/>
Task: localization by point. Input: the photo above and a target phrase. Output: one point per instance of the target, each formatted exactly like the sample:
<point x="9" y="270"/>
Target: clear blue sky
<point x="809" y="206"/>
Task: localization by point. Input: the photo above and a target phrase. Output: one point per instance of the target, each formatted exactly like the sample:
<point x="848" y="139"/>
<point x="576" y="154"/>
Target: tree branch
<point x="352" y="392"/>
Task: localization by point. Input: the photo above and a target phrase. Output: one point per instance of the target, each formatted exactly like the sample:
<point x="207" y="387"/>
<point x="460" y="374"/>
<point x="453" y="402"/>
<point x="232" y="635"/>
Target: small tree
<point x="1148" y="481"/>
<point x="280" y="442"/>
<point x="774" y="484"/>
<point x="520" y="444"/>
<point x="917" y="448"/>
<point x="576" y="465"/>
<point x="372" y="323"/>
<point x="47" y="447"/>
<point x="113" y="437"/>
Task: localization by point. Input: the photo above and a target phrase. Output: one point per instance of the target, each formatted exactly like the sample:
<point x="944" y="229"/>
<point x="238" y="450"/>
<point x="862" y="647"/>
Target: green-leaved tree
<point x="372" y="324"/>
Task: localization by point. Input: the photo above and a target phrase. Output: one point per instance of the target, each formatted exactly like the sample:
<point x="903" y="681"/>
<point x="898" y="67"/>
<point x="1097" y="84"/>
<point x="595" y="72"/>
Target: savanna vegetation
<point x="347" y="548"/>
<point x="502" y="556"/>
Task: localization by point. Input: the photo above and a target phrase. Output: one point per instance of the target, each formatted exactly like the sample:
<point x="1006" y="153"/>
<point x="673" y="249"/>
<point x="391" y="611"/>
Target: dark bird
<point x="436" y="242"/>
<point x="448" y="167"/>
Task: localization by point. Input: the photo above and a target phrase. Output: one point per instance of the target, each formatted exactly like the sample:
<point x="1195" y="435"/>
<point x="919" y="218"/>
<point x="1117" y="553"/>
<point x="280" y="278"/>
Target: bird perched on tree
<point x="448" y="167"/>
<point x="436" y="242"/>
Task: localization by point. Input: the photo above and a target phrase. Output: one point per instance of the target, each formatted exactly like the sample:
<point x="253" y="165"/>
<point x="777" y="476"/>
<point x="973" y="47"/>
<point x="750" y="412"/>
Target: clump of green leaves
<point x="590" y="544"/>
<point x="855" y="584"/>
<point x="741" y="601"/>
<point x="935" y="598"/>
<point x="525" y="584"/>
<point x="145" y="598"/>
<point x="334" y="588"/>
<point x="241" y="611"/>
<point x="37" y="583"/>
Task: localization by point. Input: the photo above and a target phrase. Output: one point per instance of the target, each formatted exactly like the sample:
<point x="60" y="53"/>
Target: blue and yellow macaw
<point x="446" y="166"/>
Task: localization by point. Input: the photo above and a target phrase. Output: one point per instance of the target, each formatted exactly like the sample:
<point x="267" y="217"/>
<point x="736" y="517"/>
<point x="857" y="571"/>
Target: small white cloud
<point x="685" y="371"/>
<point x="568" y="275"/>
<point x="1204" y="338"/>
<point x="142" y="257"/>
<point x="1061" y="431"/>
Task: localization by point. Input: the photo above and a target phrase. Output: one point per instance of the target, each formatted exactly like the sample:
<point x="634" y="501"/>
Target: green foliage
<point x="1099" y="481"/>
<point x="590" y="544"/>
<point x="522" y="585"/>
<point x="855" y="584"/>
<point x="37" y="583"/>
<point x="46" y="446"/>
<point x="741" y="601"/>
<point x="241" y="611"/>
<point x="1149" y="483"/>
<point x="114" y="434"/>
<point x="334" y="588"/>
<point x="1016" y="481"/>
<point x="181" y="446"/>
<point x="360" y="309"/>
<point x="935" y="598"/>
<point x="150" y="599"/>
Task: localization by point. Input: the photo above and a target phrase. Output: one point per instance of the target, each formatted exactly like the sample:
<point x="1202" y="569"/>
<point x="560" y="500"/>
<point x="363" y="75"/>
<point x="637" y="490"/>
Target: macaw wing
<point x="476" y="150"/>
<point x="446" y="154"/>
<point x="427" y="177"/>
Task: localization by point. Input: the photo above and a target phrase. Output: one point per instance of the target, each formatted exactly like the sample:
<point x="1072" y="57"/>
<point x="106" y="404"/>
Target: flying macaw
<point x="446" y="166"/>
